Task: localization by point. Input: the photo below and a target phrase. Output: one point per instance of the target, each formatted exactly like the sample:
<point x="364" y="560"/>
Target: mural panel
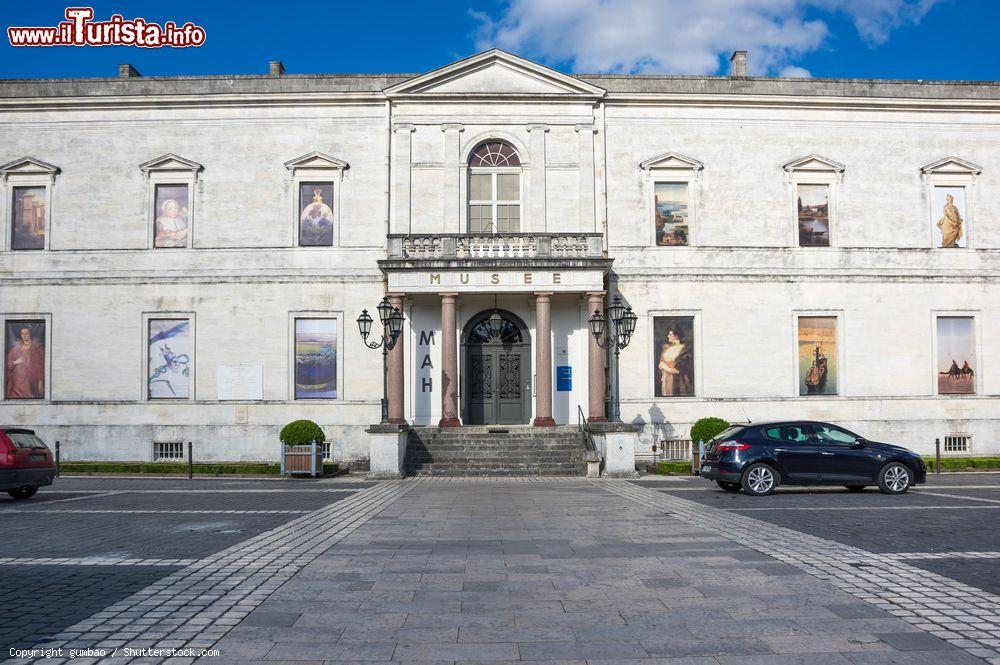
<point x="172" y="215"/>
<point x="315" y="214"/>
<point x="956" y="355"/>
<point x="672" y="213"/>
<point x="24" y="365"/>
<point x="813" y="203"/>
<point x="315" y="359"/>
<point x="169" y="357"/>
<point x="948" y="216"/>
<point x="818" y="371"/>
<point x="673" y="355"/>
<point x="28" y="218"/>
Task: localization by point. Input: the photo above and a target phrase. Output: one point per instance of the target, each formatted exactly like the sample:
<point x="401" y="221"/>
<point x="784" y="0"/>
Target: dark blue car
<point x="758" y="457"/>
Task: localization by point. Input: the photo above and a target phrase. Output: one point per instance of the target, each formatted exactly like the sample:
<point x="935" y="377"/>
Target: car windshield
<point x="25" y="440"/>
<point x="727" y="434"/>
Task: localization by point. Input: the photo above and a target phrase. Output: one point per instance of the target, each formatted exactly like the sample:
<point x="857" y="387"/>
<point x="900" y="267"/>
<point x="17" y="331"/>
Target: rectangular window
<point x="818" y="371"/>
<point x="315" y="214"/>
<point x="956" y="355"/>
<point x="480" y="219"/>
<point x="813" y="203"/>
<point x="957" y="443"/>
<point x="673" y="355"/>
<point x="672" y="213"/>
<point x="24" y="367"/>
<point x="168" y="451"/>
<point x="169" y="356"/>
<point x="171" y="215"/>
<point x="948" y="217"/>
<point x="480" y="187"/>
<point x="315" y="358"/>
<point x="28" y="219"/>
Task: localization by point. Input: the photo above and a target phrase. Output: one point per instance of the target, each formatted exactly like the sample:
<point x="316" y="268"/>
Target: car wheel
<point x="855" y="488"/>
<point x="894" y="478"/>
<point x="729" y="487"/>
<point x="760" y="479"/>
<point x="23" y="492"/>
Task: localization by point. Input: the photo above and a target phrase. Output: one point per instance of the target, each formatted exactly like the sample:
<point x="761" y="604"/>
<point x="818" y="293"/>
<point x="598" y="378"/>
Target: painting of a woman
<point x="675" y="362"/>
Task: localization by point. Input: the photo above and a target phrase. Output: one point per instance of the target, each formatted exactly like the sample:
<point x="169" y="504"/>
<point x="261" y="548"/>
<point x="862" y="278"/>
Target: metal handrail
<point x="581" y="422"/>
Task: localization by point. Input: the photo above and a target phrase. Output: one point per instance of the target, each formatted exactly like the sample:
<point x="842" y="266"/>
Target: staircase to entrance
<point x="496" y="451"/>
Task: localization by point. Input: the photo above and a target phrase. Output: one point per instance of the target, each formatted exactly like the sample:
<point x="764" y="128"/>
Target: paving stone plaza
<point x="667" y="570"/>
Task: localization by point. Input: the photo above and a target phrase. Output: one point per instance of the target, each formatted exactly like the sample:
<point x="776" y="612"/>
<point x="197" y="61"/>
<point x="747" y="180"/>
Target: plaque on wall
<point x="241" y="382"/>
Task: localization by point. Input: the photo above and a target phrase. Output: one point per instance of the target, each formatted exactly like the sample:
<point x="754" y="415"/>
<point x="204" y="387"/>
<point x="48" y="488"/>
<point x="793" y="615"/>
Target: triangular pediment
<point x="952" y="165"/>
<point x="316" y="160"/>
<point x="170" y="162"/>
<point x="814" y="163"/>
<point x="672" y="160"/>
<point x="28" y="166"/>
<point x="495" y="73"/>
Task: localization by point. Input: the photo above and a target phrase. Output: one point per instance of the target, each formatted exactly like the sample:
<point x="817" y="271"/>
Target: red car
<point x="25" y="463"/>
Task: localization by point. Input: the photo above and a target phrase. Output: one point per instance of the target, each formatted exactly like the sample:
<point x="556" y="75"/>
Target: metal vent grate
<point x="957" y="443"/>
<point x="168" y="451"/>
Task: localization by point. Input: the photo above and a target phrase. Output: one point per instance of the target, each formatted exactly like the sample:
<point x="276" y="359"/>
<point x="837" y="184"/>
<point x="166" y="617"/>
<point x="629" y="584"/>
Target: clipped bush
<point x="706" y="428"/>
<point x="301" y="433"/>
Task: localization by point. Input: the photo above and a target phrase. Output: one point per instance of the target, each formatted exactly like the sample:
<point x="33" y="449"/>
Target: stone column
<point x="595" y="354"/>
<point x="449" y="363"/>
<point x="543" y="361"/>
<point x="396" y="372"/>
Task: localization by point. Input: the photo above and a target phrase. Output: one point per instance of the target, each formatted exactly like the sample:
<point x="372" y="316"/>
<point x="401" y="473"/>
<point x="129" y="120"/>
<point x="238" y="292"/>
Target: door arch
<point x="496" y="369"/>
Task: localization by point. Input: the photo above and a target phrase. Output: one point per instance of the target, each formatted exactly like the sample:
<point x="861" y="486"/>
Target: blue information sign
<point x="564" y="378"/>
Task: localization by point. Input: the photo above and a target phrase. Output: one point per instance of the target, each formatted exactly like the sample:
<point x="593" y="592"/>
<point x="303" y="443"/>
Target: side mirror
<point x="859" y="443"/>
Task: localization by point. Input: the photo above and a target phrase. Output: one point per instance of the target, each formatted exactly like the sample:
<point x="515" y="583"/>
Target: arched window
<point x="494" y="189"/>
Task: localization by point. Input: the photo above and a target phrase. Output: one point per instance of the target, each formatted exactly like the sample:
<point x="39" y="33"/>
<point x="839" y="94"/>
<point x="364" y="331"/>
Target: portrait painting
<point x="315" y="359"/>
<point x="813" y="202"/>
<point x="818" y="355"/>
<point x="315" y="214"/>
<point x="948" y="217"/>
<point x="956" y="355"/>
<point x="673" y="355"/>
<point x="170" y="358"/>
<point x="24" y="360"/>
<point x="172" y="215"/>
<point x="28" y="218"/>
<point x="672" y="213"/>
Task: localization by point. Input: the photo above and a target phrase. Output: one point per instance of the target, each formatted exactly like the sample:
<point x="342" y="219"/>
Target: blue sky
<point x="912" y="39"/>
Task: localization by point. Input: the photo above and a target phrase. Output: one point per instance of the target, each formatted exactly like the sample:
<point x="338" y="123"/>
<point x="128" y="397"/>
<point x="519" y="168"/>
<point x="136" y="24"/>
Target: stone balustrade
<point x="496" y="246"/>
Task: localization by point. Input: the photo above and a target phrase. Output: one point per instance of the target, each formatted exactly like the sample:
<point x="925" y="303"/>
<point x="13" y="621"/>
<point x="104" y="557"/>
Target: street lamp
<point x="617" y="331"/>
<point x="392" y="325"/>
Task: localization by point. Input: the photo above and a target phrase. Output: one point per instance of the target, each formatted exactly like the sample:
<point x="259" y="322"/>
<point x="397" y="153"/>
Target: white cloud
<point x="679" y="36"/>
<point x="793" y="72"/>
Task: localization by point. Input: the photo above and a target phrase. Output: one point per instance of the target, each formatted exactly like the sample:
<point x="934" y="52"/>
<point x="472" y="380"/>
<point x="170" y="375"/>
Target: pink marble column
<point x="395" y="378"/>
<point x="543" y="361"/>
<point x="595" y="371"/>
<point x="449" y="363"/>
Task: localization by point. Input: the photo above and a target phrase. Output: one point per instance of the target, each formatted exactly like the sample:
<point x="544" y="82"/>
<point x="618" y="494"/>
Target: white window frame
<point x="192" y="366"/>
<point x="316" y="167"/>
<point x="493" y="172"/>
<point x="959" y="453"/>
<point x="950" y="172"/>
<point x="978" y="343"/>
<point x="26" y="172"/>
<point x="338" y="316"/>
<point x="813" y="170"/>
<point x="841" y="351"/>
<point x="672" y="167"/>
<point x="169" y="169"/>
<point x="698" y="355"/>
<point x="154" y="458"/>
<point x="46" y="317"/>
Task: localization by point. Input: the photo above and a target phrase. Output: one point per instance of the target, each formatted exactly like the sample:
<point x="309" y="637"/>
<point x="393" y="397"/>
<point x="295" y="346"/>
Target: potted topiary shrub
<point x="704" y="430"/>
<point x="302" y="448"/>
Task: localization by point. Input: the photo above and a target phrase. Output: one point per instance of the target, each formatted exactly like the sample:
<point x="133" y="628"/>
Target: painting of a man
<point x="950" y="224"/>
<point x="316" y="217"/>
<point x="25" y="361"/>
<point x="172" y="216"/>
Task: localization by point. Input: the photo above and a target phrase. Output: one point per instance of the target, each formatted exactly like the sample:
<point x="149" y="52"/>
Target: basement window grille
<point x="168" y="451"/>
<point x="326" y="452"/>
<point x="957" y="443"/>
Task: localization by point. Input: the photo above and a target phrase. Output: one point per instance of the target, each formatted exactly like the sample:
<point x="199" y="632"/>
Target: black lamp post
<point x="392" y="326"/>
<point x="617" y="331"/>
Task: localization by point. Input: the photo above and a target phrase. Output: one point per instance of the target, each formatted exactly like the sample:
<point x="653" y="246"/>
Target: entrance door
<point x="497" y="359"/>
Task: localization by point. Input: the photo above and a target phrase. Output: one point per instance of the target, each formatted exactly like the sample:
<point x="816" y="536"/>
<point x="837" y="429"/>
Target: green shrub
<point x="965" y="463"/>
<point x="666" y="468"/>
<point x="706" y="428"/>
<point x="161" y="468"/>
<point x="301" y="433"/>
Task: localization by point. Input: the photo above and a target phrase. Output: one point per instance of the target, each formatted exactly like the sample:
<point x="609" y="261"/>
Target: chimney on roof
<point x="127" y="71"/>
<point x="738" y="63"/>
<point x="275" y="68"/>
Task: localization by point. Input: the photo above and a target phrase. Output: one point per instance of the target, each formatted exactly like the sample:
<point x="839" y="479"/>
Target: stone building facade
<point x="188" y="256"/>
